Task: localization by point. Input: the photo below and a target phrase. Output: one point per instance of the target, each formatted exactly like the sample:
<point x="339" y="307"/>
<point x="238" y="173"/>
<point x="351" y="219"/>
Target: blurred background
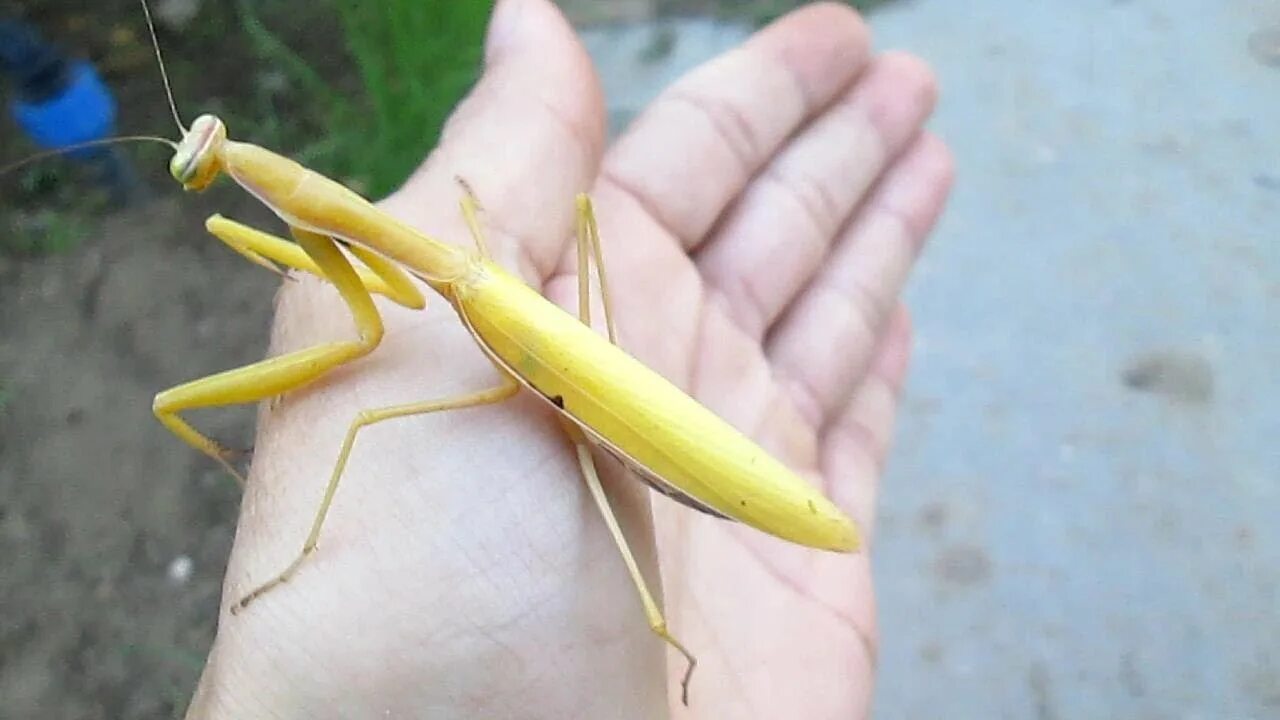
<point x="1079" y="516"/>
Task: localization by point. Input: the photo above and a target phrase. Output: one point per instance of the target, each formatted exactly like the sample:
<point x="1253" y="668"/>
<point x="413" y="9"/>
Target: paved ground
<point x="1080" y="517"/>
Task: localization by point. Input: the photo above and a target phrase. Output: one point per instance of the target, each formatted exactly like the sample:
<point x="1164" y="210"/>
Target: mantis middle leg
<point x="273" y="376"/>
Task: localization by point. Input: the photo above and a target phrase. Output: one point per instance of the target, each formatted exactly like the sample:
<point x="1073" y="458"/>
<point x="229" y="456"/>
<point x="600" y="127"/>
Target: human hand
<point x="758" y="222"/>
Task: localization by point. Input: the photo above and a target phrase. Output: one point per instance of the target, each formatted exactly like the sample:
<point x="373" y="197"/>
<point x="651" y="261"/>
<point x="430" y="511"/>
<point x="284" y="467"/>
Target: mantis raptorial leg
<point x="269" y="378"/>
<point x="270" y="252"/>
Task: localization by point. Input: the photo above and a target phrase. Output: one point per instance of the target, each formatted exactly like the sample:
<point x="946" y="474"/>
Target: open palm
<point x="759" y="221"/>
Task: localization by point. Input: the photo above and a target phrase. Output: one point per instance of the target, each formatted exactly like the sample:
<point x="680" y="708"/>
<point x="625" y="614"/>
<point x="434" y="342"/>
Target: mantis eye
<point x="195" y="162"/>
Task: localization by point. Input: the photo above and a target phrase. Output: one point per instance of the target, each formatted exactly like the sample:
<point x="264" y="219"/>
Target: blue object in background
<point x="58" y="103"/>
<point x="61" y="103"/>
<point x="82" y="111"/>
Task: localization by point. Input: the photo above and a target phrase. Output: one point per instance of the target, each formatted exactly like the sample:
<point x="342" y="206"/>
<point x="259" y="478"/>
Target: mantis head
<point x="196" y="161"/>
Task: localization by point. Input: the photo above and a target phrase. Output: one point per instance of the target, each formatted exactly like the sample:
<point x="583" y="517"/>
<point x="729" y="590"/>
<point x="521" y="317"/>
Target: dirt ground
<point x="115" y="535"/>
<point x="100" y="505"/>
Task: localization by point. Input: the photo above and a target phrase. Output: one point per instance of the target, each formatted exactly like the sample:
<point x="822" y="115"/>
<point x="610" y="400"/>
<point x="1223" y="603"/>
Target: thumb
<point x="527" y="137"/>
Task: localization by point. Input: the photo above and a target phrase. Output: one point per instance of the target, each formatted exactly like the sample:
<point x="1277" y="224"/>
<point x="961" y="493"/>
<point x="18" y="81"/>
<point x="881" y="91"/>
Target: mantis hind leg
<point x="588" y="242"/>
<point x="657" y="623"/>
<point x="588" y="239"/>
<point x="277" y="375"/>
<point x="588" y="247"/>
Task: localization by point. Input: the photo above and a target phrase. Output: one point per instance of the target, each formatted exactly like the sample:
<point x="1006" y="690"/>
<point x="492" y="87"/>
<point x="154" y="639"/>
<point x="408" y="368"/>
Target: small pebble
<point x="1264" y="45"/>
<point x="180" y="570"/>
<point x="176" y="15"/>
<point x="1178" y="375"/>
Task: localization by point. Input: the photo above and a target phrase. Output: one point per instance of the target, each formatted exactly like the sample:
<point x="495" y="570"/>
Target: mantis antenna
<point x="6" y="169"/>
<point x="164" y="74"/>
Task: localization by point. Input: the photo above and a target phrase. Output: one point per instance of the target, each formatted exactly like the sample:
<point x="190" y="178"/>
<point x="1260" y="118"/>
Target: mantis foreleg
<point x="380" y="276"/>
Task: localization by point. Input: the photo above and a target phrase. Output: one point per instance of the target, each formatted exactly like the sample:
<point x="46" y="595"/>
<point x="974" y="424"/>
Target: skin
<point x="759" y="222"/>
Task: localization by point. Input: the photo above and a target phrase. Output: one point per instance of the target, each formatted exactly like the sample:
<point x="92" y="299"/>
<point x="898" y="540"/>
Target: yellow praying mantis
<point x="603" y="396"/>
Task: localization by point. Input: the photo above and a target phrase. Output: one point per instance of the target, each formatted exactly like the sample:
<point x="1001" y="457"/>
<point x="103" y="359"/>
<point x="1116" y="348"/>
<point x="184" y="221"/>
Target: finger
<point x="779" y="232"/>
<point x="692" y="151"/>
<point x="527" y="138"/>
<point x="824" y="342"/>
<point x="857" y="441"/>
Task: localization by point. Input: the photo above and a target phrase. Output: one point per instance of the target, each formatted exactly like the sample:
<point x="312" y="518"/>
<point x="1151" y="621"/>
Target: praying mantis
<point x="604" y="398"/>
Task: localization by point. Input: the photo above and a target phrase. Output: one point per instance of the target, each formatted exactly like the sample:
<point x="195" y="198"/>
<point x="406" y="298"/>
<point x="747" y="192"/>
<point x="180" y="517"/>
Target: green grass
<point x="415" y="60"/>
<point x="48" y="232"/>
<point x="47" y="220"/>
